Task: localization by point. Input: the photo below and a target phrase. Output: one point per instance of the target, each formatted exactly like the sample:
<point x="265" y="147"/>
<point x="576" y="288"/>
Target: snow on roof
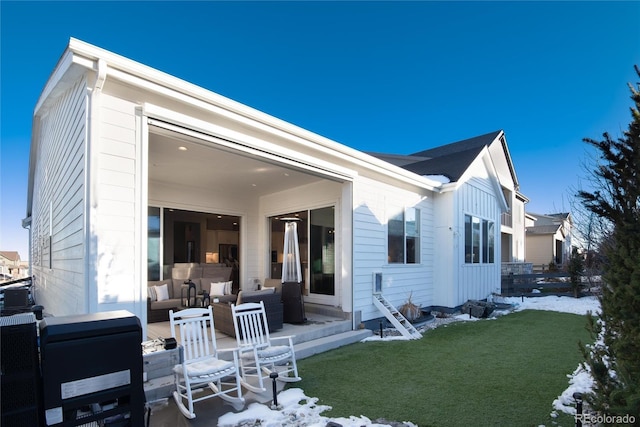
<point x="438" y="178"/>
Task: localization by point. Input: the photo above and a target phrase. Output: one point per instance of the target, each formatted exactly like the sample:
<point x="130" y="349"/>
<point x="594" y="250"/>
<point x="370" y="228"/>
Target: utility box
<point x="20" y="397"/>
<point x="158" y="363"/>
<point x="92" y="370"/>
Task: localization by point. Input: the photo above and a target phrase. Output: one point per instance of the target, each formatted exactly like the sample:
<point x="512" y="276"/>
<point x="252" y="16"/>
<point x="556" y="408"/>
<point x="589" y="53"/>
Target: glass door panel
<point x="322" y="251"/>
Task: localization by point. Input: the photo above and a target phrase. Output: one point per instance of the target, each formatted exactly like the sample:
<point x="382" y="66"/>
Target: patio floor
<point x="320" y="333"/>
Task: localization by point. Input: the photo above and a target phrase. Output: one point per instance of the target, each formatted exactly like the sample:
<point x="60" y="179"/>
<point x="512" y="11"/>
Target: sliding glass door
<point x="316" y="239"/>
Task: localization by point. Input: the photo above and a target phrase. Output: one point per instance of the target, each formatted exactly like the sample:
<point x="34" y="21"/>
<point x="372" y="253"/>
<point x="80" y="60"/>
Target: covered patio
<point x="210" y="201"/>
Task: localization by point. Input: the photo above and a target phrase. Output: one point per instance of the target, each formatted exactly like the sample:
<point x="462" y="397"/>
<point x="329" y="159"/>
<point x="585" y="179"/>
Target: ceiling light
<point x="182" y="148"/>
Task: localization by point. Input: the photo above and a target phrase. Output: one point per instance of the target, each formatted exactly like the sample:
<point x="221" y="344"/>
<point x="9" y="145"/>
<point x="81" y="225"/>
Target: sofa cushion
<point x="273" y="283"/>
<point x="217" y="270"/>
<point x="177" y="288"/>
<point x="253" y="295"/>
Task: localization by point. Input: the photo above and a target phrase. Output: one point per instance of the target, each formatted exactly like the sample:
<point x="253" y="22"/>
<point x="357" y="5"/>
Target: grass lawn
<point x="503" y="372"/>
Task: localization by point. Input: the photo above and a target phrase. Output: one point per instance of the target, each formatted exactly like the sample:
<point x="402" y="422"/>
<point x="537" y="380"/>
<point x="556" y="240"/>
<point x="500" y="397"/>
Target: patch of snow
<point x="579" y="381"/>
<point x="294" y="409"/>
<point x="562" y="304"/>
<point x="438" y="178"/>
<point x="385" y="337"/>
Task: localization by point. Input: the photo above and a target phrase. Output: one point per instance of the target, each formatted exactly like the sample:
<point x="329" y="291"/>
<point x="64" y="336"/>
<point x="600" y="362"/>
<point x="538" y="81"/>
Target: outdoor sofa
<point x="223" y="319"/>
<point x="174" y="294"/>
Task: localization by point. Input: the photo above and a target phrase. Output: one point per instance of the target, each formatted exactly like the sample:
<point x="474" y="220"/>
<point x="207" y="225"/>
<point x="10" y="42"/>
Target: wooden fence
<point x="549" y="283"/>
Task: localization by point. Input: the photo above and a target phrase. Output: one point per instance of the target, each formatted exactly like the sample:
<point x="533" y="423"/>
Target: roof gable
<point x="474" y="144"/>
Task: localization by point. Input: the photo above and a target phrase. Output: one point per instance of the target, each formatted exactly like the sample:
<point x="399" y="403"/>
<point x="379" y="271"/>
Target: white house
<point x="132" y="170"/>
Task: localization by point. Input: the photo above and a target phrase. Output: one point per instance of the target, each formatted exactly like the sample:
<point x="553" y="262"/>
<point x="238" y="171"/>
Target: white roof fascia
<point x="493" y="173"/>
<point x="231" y="139"/>
<point x="522" y="197"/>
<point x="146" y="77"/>
<point x="68" y="69"/>
<point x="512" y="169"/>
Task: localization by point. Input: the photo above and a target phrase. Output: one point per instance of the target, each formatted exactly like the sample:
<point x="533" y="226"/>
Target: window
<point x="479" y="240"/>
<point x="403" y="238"/>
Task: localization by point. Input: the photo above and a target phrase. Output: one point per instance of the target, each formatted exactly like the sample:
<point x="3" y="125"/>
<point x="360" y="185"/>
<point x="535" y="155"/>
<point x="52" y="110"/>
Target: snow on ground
<point x="296" y="409"/>
<point x="554" y="303"/>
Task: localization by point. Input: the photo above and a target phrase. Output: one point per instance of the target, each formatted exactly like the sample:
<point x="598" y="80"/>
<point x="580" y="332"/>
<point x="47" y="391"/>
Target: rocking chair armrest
<point x="244" y="348"/>
<point x="228" y="350"/>
<point x="285" y="337"/>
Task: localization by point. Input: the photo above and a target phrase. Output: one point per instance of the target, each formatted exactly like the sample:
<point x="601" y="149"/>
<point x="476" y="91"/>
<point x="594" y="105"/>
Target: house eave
<point x="149" y="78"/>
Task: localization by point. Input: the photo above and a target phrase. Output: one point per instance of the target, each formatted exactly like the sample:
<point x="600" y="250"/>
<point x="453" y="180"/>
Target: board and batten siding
<point x="374" y="203"/>
<point x="57" y="229"/>
<point x="477" y="281"/>
<point x="117" y="209"/>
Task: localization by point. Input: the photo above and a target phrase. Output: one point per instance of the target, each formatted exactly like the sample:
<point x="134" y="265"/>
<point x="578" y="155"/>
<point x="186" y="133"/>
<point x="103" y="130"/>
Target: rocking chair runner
<point x="258" y="356"/>
<point x="202" y="367"/>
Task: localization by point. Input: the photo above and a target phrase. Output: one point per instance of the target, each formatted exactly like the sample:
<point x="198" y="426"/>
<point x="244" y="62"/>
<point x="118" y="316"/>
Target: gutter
<point x="90" y="165"/>
<point x="133" y="72"/>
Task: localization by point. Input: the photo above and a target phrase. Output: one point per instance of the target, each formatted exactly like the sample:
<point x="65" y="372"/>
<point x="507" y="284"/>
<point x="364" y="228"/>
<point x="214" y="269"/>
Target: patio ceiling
<point x="200" y="164"/>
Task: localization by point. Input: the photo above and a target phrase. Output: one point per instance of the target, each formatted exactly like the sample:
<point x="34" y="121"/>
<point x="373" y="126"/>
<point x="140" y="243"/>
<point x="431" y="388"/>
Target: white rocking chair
<point x="258" y="356"/>
<point x="201" y="367"/>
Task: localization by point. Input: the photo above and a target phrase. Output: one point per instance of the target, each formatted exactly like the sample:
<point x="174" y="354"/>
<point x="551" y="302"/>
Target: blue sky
<point x="395" y="77"/>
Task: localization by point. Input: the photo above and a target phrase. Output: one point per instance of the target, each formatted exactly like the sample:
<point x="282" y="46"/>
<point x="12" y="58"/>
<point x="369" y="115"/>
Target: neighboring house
<point x="548" y="238"/>
<point x="11" y="267"/>
<point x="133" y="170"/>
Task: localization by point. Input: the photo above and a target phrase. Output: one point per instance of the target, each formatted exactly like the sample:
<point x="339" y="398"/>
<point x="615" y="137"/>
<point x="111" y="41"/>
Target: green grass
<point x="503" y="372"/>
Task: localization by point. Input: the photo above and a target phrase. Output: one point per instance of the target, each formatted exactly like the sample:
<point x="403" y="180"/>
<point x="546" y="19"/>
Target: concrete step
<point x="330" y="342"/>
<point x="325" y="310"/>
<point x="315" y="330"/>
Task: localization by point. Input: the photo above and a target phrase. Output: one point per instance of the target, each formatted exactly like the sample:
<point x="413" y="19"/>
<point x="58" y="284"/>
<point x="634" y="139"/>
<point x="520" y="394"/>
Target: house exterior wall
<point x="118" y="209"/>
<point x="518" y="240"/>
<point x="475" y="197"/>
<point x="447" y="235"/>
<point x="540" y="249"/>
<point x="57" y="234"/>
<point x="373" y="203"/>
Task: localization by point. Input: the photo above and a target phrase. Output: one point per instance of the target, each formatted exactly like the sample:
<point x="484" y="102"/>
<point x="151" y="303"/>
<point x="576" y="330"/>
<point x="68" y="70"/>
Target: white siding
<point x="374" y="202"/>
<point x="477" y="281"/>
<point x="115" y="203"/>
<point x="58" y="205"/>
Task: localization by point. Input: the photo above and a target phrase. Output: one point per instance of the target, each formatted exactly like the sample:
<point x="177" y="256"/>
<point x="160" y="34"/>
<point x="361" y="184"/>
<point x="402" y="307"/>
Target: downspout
<point x="90" y="164"/>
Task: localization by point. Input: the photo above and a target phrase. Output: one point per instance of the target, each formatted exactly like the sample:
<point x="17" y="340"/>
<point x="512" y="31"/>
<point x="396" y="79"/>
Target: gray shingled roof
<point x="450" y="160"/>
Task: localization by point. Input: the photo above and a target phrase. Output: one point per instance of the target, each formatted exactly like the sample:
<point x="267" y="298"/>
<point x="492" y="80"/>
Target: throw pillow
<point x="227" y="287"/>
<point x="217" y="288"/>
<point x="162" y="292"/>
<point x="151" y="292"/>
